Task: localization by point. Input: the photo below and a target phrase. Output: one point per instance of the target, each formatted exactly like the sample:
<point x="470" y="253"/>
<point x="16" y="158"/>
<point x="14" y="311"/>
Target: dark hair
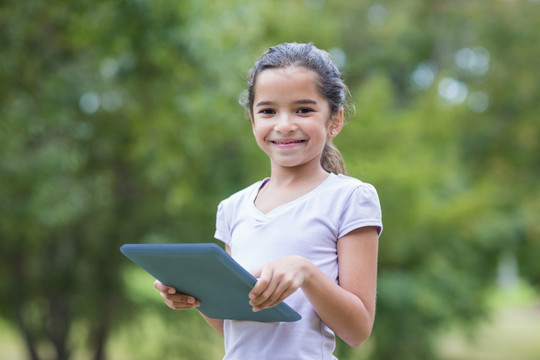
<point x="330" y="85"/>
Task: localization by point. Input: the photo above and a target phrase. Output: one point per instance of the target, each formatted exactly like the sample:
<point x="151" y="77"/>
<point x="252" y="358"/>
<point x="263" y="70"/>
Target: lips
<point x="287" y="141"/>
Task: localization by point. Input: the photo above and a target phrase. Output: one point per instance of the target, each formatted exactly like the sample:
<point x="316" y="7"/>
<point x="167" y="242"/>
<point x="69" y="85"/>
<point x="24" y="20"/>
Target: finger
<point x="263" y="288"/>
<point x="278" y="300"/>
<point x="179" y="306"/>
<point x="261" y="283"/>
<point x="179" y="298"/>
<point x="256" y="273"/>
<point x="270" y="295"/>
<point x="284" y="289"/>
<point x="164" y="288"/>
<point x="271" y="299"/>
<point x="159" y="285"/>
<point x="180" y="301"/>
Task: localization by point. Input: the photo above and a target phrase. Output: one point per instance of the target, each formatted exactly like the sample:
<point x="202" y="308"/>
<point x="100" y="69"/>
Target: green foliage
<point x="119" y="123"/>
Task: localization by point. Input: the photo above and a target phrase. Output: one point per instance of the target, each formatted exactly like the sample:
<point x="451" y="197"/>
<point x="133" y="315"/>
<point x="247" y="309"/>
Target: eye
<point x="304" y="110"/>
<point x="267" y="111"/>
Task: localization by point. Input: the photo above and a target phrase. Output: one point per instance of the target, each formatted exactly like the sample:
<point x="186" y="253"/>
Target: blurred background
<point x="120" y="123"/>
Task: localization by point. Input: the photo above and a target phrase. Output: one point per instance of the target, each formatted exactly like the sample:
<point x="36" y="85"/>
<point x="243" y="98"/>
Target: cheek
<point x="253" y="130"/>
<point x="260" y="135"/>
<point x="257" y="130"/>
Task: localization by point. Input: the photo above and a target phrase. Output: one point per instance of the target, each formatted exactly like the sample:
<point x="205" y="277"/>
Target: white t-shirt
<point x="308" y="226"/>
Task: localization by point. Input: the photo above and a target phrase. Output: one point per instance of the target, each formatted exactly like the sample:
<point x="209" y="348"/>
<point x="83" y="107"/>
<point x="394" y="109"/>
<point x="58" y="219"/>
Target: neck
<point x="284" y="176"/>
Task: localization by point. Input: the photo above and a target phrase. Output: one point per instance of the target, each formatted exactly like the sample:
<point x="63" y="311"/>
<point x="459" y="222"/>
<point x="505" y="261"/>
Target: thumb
<point x="256" y="273"/>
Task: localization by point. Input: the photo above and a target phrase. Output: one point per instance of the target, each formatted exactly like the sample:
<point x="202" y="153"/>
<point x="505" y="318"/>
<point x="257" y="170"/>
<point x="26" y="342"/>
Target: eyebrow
<point x="297" y="102"/>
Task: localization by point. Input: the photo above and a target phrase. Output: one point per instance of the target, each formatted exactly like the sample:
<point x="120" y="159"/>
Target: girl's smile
<point x="287" y="143"/>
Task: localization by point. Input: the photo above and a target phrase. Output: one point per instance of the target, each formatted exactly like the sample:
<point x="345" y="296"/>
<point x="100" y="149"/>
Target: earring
<point x="332" y="132"/>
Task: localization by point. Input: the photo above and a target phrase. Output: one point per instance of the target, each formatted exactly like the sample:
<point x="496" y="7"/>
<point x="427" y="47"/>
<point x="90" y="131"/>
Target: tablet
<point x="209" y="274"/>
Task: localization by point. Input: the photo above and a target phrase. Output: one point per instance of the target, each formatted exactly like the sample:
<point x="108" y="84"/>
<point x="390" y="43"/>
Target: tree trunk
<point x="28" y="337"/>
<point x="59" y="320"/>
<point x="99" y="338"/>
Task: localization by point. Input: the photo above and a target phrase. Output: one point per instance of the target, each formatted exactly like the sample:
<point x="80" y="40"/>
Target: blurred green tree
<point x="102" y="116"/>
<point x="446" y="142"/>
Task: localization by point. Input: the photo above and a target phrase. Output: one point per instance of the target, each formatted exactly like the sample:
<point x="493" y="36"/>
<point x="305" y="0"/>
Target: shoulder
<point x="346" y="186"/>
<point x="358" y="203"/>
<point x="346" y="180"/>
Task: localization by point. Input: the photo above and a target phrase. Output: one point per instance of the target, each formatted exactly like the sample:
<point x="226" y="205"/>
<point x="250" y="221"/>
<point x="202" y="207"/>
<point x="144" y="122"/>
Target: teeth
<point x="287" y="141"/>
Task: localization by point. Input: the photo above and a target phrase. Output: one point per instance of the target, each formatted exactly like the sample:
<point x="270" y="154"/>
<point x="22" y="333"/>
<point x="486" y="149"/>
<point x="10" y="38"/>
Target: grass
<point x="11" y="345"/>
<point x="513" y="332"/>
<point x="182" y="336"/>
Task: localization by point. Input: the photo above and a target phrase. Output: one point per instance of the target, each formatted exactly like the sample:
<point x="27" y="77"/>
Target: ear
<point x="336" y="124"/>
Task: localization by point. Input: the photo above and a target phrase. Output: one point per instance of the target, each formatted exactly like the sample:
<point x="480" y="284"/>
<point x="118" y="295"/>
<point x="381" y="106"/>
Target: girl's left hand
<point x="277" y="280"/>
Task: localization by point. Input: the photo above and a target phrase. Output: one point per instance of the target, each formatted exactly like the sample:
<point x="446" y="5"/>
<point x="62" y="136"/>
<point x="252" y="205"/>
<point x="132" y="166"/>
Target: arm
<point x="348" y="308"/>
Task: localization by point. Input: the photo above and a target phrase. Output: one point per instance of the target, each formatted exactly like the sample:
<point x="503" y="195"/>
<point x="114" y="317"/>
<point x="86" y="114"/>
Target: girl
<point x="309" y="233"/>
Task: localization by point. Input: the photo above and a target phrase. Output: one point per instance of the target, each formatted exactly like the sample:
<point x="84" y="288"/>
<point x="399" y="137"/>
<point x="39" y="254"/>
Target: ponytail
<point x="331" y="159"/>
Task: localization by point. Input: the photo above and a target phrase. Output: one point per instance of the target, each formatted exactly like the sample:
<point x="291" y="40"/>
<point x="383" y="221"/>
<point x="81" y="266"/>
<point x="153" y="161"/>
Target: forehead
<point x="287" y="82"/>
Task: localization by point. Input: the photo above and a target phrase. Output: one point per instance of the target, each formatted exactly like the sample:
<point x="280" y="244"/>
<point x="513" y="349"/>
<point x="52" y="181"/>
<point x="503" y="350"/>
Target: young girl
<point x="309" y="233"/>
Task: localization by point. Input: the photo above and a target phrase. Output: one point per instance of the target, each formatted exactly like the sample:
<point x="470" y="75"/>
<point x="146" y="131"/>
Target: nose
<point x="285" y="123"/>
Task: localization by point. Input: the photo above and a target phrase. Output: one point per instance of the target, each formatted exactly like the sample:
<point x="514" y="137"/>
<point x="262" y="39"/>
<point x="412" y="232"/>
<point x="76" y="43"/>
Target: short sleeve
<point x="361" y="209"/>
<point x="223" y="232"/>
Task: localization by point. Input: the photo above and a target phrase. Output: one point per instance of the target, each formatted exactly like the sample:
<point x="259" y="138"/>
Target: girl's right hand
<point x="175" y="300"/>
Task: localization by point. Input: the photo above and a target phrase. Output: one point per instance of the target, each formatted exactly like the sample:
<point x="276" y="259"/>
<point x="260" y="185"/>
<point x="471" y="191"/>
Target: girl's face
<point x="291" y="120"/>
